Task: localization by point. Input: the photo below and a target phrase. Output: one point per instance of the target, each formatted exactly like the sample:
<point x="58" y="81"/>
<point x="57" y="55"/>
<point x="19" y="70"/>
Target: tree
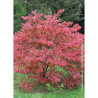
<point x="19" y="10"/>
<point x="72" y="8"/>
<point x="49" y="50"/>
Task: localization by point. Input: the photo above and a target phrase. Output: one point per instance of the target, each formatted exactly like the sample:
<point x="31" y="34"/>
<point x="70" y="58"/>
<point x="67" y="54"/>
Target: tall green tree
<point x="19" y="10"/>
<point x="38" y="5"/>
<point x="73" y="8"/>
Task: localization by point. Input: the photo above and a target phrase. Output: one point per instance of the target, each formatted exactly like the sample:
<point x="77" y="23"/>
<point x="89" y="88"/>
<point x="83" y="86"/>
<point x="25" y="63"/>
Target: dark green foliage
<point x="73" y="8"/>
<point x="38" y="5"/>
<point x="19" y="10"/>
<point x="24" y="7"/>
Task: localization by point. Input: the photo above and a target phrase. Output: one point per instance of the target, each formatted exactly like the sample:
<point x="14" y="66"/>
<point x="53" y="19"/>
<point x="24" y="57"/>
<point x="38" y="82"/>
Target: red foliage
<point x="44" y="44"/>
<point x="26" y="86"/>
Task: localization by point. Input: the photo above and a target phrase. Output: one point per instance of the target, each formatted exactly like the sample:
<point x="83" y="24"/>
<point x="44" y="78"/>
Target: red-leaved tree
<point x="49" y="51"/>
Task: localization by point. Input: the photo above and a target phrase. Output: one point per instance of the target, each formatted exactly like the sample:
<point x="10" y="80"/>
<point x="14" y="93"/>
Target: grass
<point x="66" y="94"/>
<point x="20" y="93"/>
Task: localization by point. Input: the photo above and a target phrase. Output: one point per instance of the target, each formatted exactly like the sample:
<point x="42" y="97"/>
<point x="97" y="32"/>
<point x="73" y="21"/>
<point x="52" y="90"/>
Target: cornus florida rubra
<point x="49" y="51"/>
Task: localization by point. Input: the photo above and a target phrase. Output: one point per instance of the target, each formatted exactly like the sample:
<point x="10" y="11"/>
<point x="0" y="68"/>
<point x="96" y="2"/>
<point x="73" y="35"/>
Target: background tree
<point x="19" y="10"/>
<point x="74" y="10"/>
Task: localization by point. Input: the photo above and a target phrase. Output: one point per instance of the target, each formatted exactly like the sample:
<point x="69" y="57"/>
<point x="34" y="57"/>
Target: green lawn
<point x="19" y="93"/>
<point x="66" y="94"/>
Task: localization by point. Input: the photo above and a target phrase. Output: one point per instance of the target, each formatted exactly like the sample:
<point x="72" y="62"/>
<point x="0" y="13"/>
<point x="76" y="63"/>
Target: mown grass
<point x="66" y="94"/>
<point x="38" y="93"/>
